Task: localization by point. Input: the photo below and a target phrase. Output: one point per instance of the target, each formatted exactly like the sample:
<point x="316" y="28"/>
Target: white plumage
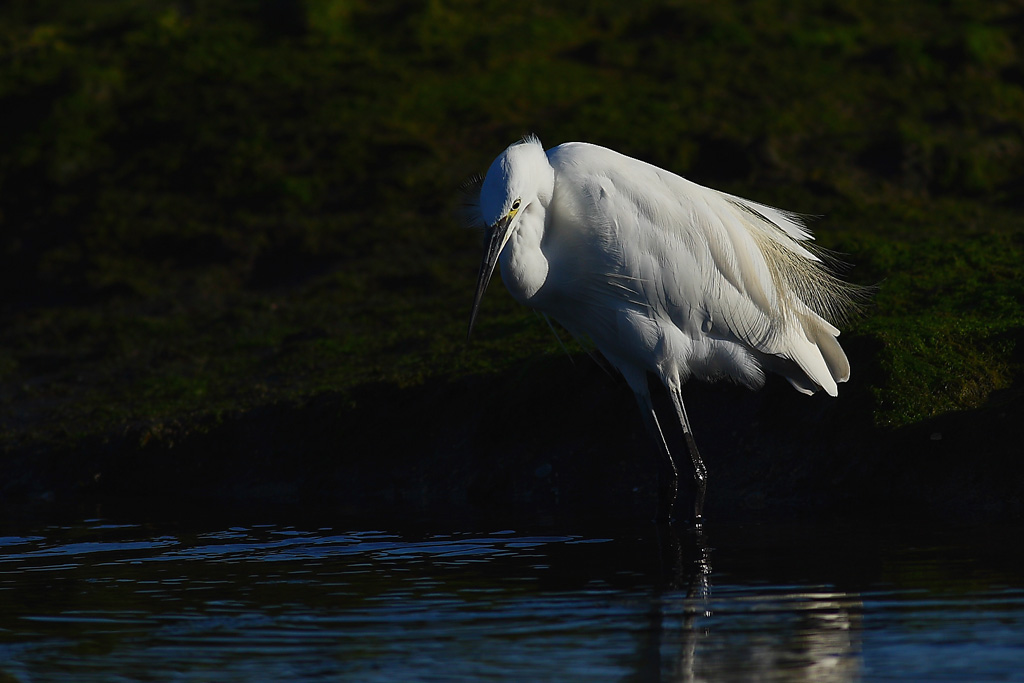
<point x="665" y="276"/>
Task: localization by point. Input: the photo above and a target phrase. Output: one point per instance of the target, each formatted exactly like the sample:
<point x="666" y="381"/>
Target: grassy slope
<point x="212" y="210"/>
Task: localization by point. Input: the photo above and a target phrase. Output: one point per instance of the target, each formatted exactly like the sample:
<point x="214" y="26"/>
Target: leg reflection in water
<point x="685" y="582"/>
<point x="759" y="624"/>
<point x="691" y="566"/>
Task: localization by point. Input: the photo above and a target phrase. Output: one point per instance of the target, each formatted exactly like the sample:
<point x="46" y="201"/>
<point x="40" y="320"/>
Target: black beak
<point x="495" y="242"/>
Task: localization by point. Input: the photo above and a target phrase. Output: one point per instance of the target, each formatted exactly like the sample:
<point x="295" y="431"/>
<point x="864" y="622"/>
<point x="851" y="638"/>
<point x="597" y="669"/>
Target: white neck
<point x="524" y="267"/>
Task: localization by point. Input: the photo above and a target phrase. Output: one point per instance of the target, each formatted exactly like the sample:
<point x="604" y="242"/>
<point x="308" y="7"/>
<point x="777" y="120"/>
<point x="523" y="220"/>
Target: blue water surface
<point x="98" y="601"/>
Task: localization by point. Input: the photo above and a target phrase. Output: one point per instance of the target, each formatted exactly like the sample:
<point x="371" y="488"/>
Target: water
<point x="99" y="601"/>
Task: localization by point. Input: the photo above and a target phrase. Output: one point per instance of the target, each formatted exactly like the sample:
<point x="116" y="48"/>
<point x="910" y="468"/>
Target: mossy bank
<point x="220" y="217"/>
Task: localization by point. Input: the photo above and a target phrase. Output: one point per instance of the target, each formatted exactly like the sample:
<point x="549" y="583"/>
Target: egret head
<point x="519" y="182"/>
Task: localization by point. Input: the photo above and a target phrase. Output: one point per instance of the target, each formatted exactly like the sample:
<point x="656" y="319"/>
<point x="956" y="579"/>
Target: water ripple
<point x="115" y="601"/>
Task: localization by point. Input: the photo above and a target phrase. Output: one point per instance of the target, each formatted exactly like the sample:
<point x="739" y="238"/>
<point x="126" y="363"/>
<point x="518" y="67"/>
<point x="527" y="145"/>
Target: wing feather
<point x="713" y="264"/>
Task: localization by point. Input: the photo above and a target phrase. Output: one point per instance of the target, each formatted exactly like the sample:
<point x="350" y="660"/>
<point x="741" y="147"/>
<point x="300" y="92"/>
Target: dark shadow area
<point x="552" y="442"/>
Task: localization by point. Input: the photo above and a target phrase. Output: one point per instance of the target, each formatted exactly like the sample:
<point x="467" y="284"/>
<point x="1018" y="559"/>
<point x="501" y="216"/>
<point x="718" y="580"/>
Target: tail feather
<point x="834" y="356"/>
<point x="821" y="357"/>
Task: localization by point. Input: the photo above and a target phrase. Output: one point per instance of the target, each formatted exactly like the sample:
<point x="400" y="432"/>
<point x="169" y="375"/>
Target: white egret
<point x="666" y="277"/>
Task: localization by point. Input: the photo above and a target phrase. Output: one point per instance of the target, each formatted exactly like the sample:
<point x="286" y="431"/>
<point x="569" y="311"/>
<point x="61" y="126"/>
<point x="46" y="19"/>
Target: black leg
<point x="700" y="472"/>
<point x="667" y="493"/>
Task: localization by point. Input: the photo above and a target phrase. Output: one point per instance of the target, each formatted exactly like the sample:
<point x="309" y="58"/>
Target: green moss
<point x="214" y="207"/>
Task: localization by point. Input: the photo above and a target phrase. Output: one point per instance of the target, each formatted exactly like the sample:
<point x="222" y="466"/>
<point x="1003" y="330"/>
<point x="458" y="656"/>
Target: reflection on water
<point x="99" y="601"/>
